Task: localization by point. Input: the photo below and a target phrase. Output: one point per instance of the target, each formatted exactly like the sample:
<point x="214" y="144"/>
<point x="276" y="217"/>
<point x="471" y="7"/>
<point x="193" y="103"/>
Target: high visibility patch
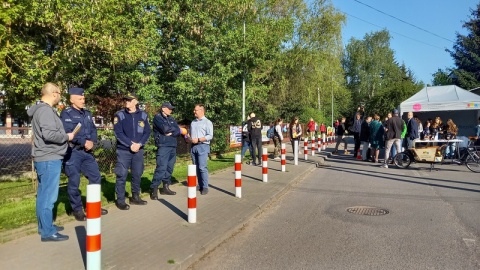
<point x="115" y="120"/>
<point x="141" y="124"/>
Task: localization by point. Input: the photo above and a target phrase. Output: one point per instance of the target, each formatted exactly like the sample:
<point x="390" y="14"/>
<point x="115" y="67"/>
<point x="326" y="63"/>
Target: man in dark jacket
<point x="357" y="126"/>
<point x="412" y="130"/>
<point x="340" y="132"/>
<point x="394" y="128"/>
<point x="255" y="130"/>
<point x="132" y="130"/>
<point x="365" y="138"/>
<point x="165" y="131"/>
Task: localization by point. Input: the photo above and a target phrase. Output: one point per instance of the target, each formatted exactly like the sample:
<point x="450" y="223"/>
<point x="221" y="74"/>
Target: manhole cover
<point x="367" y="211"/>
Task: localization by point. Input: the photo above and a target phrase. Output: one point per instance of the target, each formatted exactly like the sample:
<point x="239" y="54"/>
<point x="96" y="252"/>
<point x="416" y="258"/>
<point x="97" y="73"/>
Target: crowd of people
<point x="393" y="134"/>
<point x="69" y="139"/>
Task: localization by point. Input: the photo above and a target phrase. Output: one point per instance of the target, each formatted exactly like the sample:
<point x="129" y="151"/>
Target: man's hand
<point x="195" y="140"/>
<point x="135" y="147"/>
<point x="88" y="145"/>
<point x="70" y="136"/>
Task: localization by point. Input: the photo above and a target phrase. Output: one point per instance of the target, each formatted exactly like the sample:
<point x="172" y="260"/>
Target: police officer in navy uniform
<point x="132" y="131"/>
<point x="166" y="131"/>
<point x="79" y="157"/>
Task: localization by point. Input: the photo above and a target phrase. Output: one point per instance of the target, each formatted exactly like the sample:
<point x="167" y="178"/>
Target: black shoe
<point x="80" y="215"/>
<point x="204" y="191"/>
<point x="104" y="212"/>
<point x="166" y="190"/>
<point x="58" y="228"/>
<point x="55" y="238"/>
<point x="154" y="193"/>
<point x="136" y="200"/>
<point x="122" y="205"/>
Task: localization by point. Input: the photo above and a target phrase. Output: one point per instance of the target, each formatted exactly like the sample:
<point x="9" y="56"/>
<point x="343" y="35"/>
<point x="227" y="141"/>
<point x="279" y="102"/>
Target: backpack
<point x="271" y="132"/>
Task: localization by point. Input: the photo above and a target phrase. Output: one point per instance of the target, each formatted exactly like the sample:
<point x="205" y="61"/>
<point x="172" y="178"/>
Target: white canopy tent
<point x="449" y="101"/>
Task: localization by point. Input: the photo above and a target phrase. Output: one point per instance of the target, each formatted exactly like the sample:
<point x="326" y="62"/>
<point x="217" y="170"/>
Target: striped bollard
<point x="284" y="157"/>
<point x="295" y="154"/>
<point x="323" y="142"/>
<point x="305" y="149"/>
<point x="94" y="226"/>
<point x="238" y="176"/>
<point x="192" y="193"/>
<point x="319" y="143"/>
<point x="265" y="165"/>
<point x="313" y="148"/>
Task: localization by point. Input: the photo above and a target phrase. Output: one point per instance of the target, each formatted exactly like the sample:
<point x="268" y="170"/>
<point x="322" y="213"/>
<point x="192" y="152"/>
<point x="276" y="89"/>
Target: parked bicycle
<point x="469" y="156"/>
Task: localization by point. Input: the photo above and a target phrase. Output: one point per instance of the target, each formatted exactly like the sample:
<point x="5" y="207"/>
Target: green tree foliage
<point x="442" y="77"/>
<point x="374" y="77"/>
<point x="466" y="54"/>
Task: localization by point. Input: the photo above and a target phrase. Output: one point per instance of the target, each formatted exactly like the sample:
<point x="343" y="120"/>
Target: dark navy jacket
<point x="131" y="128"/>
<point x="71" y="117"/>
<point x="163" y="125"/>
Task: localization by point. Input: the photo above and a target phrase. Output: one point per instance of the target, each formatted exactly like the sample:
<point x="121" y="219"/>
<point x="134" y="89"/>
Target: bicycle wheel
<point x="402" y="160"/>
<point x="473" y="163"/>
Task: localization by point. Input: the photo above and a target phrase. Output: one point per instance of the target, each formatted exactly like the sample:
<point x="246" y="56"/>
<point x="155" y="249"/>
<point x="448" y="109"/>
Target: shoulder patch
<point x="115" y="120"/>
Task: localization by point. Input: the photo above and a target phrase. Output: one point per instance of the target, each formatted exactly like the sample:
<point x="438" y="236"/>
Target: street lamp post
<point x="243" y="83"/>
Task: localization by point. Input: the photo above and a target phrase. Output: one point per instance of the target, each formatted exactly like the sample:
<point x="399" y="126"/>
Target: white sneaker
<point x="277" y="158"/>
<point x="384" y="166"/>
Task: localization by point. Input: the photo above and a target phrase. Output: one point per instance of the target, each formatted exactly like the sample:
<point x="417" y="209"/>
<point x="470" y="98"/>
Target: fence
<point x="16" y="147"/>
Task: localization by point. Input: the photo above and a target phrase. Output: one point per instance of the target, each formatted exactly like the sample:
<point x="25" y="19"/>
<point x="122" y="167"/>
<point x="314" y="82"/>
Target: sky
<point x="422" y="50"/>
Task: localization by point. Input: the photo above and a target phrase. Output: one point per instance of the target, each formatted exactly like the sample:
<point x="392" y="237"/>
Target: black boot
<point x="166" y="190"/>
<point x="154" y="193"/>
<point x="136" y="200"/>
<point x="122" y="205"/>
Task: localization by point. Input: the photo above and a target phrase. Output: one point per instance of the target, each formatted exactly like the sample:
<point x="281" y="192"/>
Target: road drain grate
<point x="367" y="211"/>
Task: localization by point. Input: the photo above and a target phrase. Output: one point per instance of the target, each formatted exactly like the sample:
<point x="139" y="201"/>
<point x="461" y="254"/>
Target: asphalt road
<point x="432" y="222"/>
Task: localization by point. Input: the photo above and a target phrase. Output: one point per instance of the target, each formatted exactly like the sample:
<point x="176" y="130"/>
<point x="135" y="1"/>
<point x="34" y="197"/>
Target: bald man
<point x="49" y="147"/>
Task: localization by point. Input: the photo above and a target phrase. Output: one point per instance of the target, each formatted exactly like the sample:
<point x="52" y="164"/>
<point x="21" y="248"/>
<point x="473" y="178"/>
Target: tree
<point x="442" y="77"/>
<point x="374" y="77"/>
<point x="466" y="54"/>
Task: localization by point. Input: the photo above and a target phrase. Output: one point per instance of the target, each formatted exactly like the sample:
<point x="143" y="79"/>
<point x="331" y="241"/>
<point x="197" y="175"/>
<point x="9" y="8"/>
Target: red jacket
<point x="311" y="126"/>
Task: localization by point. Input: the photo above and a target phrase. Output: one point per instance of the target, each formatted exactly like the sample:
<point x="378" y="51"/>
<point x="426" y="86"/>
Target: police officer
<point x="79" y="157"/>
<point x="166" y="131"/>
<point x="132" y="131"/>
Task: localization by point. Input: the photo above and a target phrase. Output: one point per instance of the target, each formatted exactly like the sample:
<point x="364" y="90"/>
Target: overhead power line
<point x="404" y="21"/>
<point x="393" y="31"/>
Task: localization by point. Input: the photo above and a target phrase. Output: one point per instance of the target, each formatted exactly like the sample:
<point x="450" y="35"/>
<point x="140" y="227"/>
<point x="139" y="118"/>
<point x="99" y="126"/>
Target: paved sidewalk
<point x="158" y="236"/>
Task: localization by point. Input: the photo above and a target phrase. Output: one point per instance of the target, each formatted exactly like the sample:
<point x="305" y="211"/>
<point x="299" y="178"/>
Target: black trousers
<point x="257" y="149"/>
<point x="356" y="138"/>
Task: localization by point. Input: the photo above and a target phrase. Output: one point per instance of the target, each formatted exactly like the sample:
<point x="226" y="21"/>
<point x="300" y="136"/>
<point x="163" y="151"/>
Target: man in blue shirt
<point x="166" y="132"/>
<point x="132" y="131"/>
<point x="79" y="157"/>
<point x="201" y="133"/>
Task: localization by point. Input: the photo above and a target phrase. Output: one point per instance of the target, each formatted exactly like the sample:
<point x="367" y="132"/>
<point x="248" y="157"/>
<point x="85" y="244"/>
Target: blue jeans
<point x="246" y="145"/>
<point x="127" y="159"/>
<point x="199" y="153"/>
<point x="48" y="174"/>
<point x="166" y="158"/>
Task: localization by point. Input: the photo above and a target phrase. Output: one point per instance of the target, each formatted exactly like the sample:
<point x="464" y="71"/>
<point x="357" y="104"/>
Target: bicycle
<point x="470" y="156"/>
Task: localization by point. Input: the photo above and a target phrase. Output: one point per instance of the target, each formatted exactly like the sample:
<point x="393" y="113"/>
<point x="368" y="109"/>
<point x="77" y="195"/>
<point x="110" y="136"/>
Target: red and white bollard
<point x="323" y="142"/>
<point x="305" y="149"/>
<point x="192" y="193"/>
<point x="295" y="154"/>
<point x="265" y="165"/>
<point x="313" y="148"/>
<point x="284" y="157"/>
<point x="94" y="227"/>
<point x="319" y="143"/>
<point x="238" y="176"/>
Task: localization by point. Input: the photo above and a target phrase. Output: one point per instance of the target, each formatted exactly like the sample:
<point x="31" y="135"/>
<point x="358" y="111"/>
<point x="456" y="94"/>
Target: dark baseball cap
<point x="168" y="105"/>
<point x="76" y="91"/>
<point x="395" y="111"/>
